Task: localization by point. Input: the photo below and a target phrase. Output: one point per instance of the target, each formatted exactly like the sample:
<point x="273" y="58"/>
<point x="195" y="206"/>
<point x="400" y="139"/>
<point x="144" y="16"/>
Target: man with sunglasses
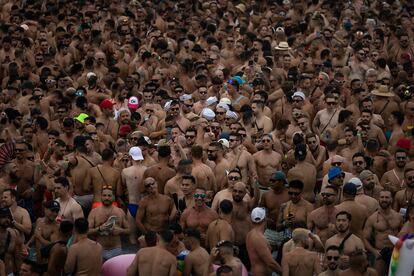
<point x="327" y="117"/>
<point x="393" y="179"/>
<point x="267" y="161"/>
<point x="216" y="153"/>
<point x="322" y="220"/>
<point x="332" y="254"/>
<point x="155" y="210"/>
<point x="404" y="198"/>
<point x="199" y="216"/>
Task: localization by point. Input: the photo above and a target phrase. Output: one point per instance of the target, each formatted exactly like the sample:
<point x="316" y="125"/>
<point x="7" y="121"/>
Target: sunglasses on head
<point x="107" y="187"/>
<point x="202" y="196"/>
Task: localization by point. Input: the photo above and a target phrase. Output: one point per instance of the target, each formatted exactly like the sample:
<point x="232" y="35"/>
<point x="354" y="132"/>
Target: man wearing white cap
<point x="369" y="202"/>
<point x="132" y="178"/>
<point x="258" y="247"/>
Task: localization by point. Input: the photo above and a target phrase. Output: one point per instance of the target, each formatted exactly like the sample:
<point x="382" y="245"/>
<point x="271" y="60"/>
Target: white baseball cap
<point x="136" y="153"/>
<point x="208" y="114"/>
<point x="356" y="181"/>
<point x="299" y="94"/>
<point x="224" y="142"/>
<point x="258" y="215"/>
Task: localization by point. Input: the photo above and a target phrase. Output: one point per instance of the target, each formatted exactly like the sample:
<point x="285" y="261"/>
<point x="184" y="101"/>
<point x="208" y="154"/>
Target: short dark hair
<point x="164" y="151"/>
<point x="333" y="247"/>
<point x="81" y="226"/>
<point x="107" y="154"/>
<point x="66" y="226"/>
<point x="344" y="213"/>
<point x="13" y="192"/>
<point x="62" y="180"/>
<point x="358" y="154"/>
<point x="189" y="177"/>
<point x="399" y="116"/>
<point x="197" y="151"/>
<point x="193" y="233"/>
<point x="343" y="115"/>
<point x="226" y="206"/>
<point x="296" y="184"/>
<point x="166" y="236"/>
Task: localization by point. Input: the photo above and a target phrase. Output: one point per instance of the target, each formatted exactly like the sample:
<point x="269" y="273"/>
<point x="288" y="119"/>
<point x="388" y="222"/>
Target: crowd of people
<point x="211" y="137"/>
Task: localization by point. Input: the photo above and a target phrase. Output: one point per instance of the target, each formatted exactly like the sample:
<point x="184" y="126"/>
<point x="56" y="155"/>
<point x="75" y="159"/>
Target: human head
<point x="28" y="268"/>
<point x="192" y="238"/>
<point x="107" y="195"/>
<point x="409" y="178"/>
<point x="329" y="194"/>
<point x="81" y="226"/>
<point x="400" y="156"/>
<point x="358" y="162"/>
<point x="343" y="221"/>
<point x="5" y="218"/>
<point x="332" y="255"/>
<point x="385" y="199"/>
<point x="233" y="177"/>
<point x="151" y="186"/>
<point x="226" y="207"/>
<point x="239" y="191"/>
<point x="200" y="197"/>
<point x="188" y="184"/>
<point x="61" y="187"/>
<point x="368" y="180"/>
<point x="9" y="198"/>
<point x="52" y="209"/>
<point x="295" y="190"/>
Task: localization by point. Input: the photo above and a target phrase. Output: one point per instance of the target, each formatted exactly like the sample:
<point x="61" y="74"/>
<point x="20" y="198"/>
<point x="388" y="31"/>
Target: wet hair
<point x="341" y="213"/>
<point x="81" y="226"/>
<point x="226" y="206"/>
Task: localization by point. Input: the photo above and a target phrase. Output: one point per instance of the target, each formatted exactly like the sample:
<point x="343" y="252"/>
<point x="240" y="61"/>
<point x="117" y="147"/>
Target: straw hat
<point x="382" y="91"/>
<point x="282" y="46"/>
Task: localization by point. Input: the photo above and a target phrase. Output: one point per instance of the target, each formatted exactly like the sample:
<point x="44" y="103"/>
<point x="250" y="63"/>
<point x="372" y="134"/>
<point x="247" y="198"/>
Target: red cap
<point x="124" y="130"/>
<point x="106" y="104"/>
<point x="404" y="143"/>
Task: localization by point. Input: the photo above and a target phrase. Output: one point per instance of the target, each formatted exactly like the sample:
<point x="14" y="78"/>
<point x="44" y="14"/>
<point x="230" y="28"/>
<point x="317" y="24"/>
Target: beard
<point x="13" y="177"/>
<point x="384" y="204"/>
<point x="237" y="199"/>
<point x="212" y="157"/>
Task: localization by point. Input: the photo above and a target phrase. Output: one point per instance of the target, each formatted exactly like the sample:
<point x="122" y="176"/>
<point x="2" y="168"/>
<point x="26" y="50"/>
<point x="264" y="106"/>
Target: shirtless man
<point x="321" y="221"/>
<point x="107" y="118"/>
<point x="10" y="242"/>
<point x="161" y="171"/>
<point x="200" y="216"/>
<point x="221" y="229"/>
<point x="224" y="253"/>
<point x="104" y="175"/>
<point x="58" y="251"/>
<point x="267" y="161"/>
<point x="332" y="261"/>
<point x="257" y="246"/>
<point x="379" y="225"/>
<point x="305" y="172"/>
<point x="70" y="209"/>
<point x="300" y="261"/>
<point x="273" y="199"/>
<point x="344" y="239"/>
<point x="241" y="158"/>
<point x="21" y="218"/>
<point x="47" y="230"/>
<point x="133" y="178"/>
<point x="215" y="153"/>
<point x="108" y="223"/>
<point x="25" y="173"/>
<point x="358" y="211"/>
<point x="404" y="198"/>
<point x="155" y="260"/>
<point x="296" y="209"/>
<point x="204" y="174"/>
<point x="233" y="177"/>
<point x="85" y="256"/>
<point x="155" y="210"/>
<point x="173" y="185"/>
<point x="197" y="262"/>
<point x="240" y="218"/>
<point x="393" y="180"/>
<point x="81" y="164"/>
<point x="359" y="265"/>
<point x="327" y="117"/>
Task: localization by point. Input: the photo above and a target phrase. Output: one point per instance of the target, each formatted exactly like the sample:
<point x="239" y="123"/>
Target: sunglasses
<point x="133" y="138"/>
<point x="330" y="258"/>
<point x="401" y="158"/>
<point x="358" y="162"/>
<point x="149" y="110"/>
<point x="297" y="101"/>
<point x="294" y="193"/>
<point x="189" y="136"/>
<point x="202" y="196"/>
<point x="233" y="140"/>
<point x="220" y="113"/>
<point x="175" y="109"/>
<point x="410" y="178"/>
<point x="266" y="141"/>
<point x="188" y="105"/>
<point x="326" y="194"/>
<point x="331" y="103"/>
<point x="301" y="124"/>
<point x="233" y="178"/>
